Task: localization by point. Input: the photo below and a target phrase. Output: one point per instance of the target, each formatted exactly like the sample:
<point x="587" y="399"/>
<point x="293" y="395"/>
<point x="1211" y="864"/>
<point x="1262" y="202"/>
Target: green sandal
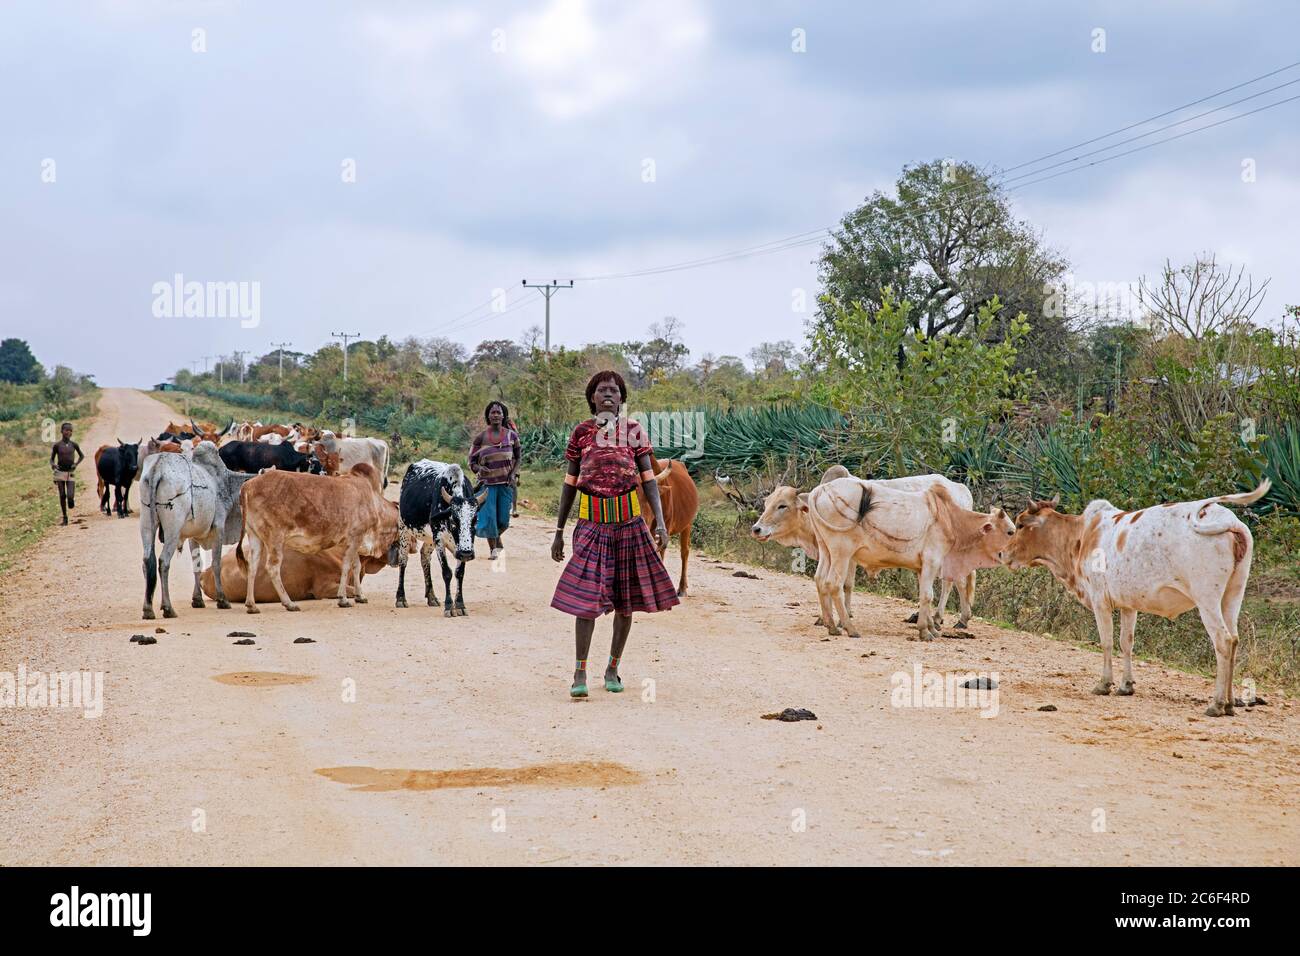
<point x="578" y="691"/>
<point x="614" y="686"/>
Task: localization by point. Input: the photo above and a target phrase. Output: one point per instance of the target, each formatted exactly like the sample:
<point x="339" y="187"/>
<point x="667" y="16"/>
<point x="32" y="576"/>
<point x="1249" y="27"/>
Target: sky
<point x="400" y="168"/>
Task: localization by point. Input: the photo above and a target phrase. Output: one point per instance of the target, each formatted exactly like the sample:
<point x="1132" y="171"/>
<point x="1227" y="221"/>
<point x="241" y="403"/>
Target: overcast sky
<point x="498" y="141"/>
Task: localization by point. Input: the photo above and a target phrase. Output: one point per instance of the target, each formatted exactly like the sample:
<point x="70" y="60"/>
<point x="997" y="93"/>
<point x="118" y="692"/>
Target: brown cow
<point x="307" y="577"/>
<point x="315" y="513"/>
<point x="260" y="430"/>
<point x="680" y="500"/>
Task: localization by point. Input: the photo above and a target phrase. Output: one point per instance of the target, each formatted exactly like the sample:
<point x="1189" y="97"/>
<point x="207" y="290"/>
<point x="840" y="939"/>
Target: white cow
<point x="1163" y="560"/>
<point x="878" y="525"/>
<point x="352" y="451"/>
<point x="786" y="521"/>
<point x="192" y="497"/>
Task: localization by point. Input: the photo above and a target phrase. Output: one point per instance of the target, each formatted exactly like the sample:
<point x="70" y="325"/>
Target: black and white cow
<point x="438" y="507"/>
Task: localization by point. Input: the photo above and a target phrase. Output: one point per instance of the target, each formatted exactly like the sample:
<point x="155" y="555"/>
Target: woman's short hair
<point x="505" y="412"/>
<point x="608" y="375"/>
<point x="65" y="425"/>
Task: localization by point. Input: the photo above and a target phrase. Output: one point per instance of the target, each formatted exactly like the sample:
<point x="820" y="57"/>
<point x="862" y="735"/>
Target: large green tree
<point x="948" y="242"/>
<point x="17" y="363"/>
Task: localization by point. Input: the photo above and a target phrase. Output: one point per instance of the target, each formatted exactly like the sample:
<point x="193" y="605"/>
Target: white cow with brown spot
<point x="1163" y="560"/>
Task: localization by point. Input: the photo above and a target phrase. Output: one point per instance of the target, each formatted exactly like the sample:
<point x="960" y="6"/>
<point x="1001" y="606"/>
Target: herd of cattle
<point x="306" y="509"/>
<point x="1162" y="560"/>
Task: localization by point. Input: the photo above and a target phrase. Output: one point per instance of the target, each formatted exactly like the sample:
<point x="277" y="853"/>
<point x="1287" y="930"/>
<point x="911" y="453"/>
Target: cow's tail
<point x="243" y="523"/>
<point x="1210" y="520"/>
<point x="151" y="532"/>
<point x="1246" y="497"/>
<point x="865" y="505"/>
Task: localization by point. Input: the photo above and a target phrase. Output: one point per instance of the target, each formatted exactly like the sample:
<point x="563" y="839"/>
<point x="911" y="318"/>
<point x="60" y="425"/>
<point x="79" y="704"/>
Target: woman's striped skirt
<point x="614" y="567"/>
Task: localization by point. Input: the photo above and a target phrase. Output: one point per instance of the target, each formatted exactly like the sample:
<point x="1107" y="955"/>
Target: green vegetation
<point x="30" y="416"/>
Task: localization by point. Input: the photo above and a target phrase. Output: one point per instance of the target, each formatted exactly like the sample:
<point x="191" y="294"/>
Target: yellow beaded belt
<point x="620" y="508"/>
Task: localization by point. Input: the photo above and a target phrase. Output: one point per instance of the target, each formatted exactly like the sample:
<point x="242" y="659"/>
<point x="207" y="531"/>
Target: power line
<point x="816" y="236"/>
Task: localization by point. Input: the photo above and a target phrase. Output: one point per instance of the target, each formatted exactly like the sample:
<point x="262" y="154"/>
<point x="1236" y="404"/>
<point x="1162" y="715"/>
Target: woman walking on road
<point x="494" y="458"/>
<point x="615" y="564"/>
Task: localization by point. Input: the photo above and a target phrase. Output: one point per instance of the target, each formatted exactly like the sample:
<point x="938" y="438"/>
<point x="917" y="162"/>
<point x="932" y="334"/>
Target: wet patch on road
<point x="261" y="678"/>
<point x="583" y="774"/>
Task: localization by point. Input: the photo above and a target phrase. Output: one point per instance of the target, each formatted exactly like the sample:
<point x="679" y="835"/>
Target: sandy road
<point x="184" y="768"/>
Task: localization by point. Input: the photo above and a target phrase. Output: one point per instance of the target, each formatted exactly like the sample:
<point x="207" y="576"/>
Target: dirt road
<point x="461" y="745"/>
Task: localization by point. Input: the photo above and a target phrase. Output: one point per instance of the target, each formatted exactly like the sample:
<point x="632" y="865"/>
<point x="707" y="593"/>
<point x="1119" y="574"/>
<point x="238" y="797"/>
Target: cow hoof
<point x="223" y="605"/>
<point x="148" y="614"/>
<point x="915" y="616"/>
<point x="447" y="612"/>
<point x="1124" y="690"/>
<point x="432" y="603"/>
<point x="818" y="622"/>
<point x="960" y="626"/>
<point x="1219" y="710"/>
<point x="168" y="612"/>
<point x="461" y="612"/>
<point x="401" y="602"/>
<point x="344" y="602"/>
<point x="197" y="602"/>
<point x="1102" y="688"/>
<point x="253" y="609"/>
<point x="294" y="607"/>
<point x="833" y="631"/>
<point x="361" y="600"/>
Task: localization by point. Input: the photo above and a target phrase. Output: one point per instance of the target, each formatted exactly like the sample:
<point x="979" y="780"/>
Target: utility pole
<point x="280" y="346"/>
<point x="239" y="357"/>
<point x="205" y="363"/>
<point x="221" y="370"/>
<point x="548" y="289"/>
<point x="345" y="336"/>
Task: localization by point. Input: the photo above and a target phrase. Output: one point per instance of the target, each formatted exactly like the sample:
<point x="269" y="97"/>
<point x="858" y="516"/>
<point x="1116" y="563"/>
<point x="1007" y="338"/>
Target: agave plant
<point x="1282" y="453"/>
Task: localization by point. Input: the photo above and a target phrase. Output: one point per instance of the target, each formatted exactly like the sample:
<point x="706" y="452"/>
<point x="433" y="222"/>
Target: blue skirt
<point x="494" y="513"/>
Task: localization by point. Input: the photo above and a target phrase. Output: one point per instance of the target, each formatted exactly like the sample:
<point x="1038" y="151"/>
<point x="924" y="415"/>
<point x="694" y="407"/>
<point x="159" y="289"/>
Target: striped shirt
<point x="494" y="461"/>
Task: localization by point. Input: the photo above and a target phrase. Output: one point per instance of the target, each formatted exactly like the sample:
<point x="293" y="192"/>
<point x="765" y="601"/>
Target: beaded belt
<point x="620" y="508"/>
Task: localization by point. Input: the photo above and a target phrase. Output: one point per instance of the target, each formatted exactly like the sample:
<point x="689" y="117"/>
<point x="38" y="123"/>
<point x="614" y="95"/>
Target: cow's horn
<point x="445" y="496"/>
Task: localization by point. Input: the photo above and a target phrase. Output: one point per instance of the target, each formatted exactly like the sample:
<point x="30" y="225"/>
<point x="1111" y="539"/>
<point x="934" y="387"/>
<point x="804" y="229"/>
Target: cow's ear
<point x="804" y="507"/>
<point x="803" y="501"/>
<point x="988" y="526"/>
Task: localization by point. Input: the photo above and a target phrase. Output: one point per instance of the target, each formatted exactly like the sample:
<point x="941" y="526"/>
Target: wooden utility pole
<point x="548" y="289"/>
<point x="345" y="336"/>
<point x="280" y="346"/>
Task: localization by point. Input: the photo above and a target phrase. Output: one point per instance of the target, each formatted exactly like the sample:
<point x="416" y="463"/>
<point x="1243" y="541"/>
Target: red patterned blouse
<point x="606" y="456"/>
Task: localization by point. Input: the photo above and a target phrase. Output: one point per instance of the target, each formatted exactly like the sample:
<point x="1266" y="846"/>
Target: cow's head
<point x="782" y="514"/>
<point x="996" y="534"/>
<point x="1032" y="543"/>
<point x="129" y="456"/>
<point x="455" y="511"/>
<point x="329" y="460"/>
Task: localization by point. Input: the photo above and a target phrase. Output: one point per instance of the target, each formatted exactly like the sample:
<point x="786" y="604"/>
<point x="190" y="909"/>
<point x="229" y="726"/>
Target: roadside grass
<point x="31" y="503"/>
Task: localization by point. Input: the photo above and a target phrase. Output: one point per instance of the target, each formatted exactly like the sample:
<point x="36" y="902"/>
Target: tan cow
<point x="307" y="577"/>
<point x="680" y="502"/>
<point x="1161" y="560"/>
<point x="785" y="520"/>
<point x="311" y="514"/>
<point x="878" y="526"/>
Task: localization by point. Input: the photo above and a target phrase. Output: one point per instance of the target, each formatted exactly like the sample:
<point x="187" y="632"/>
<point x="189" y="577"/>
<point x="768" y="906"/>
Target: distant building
<point x="164" y="387"/>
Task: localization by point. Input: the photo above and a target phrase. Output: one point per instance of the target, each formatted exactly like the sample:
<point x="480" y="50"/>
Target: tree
<point x="17" y="363"/>
<point x="775" y="357"/>
<point x="663" y="354"/>
<point x="909" y="396"/>
<point x="948" y="243"/>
